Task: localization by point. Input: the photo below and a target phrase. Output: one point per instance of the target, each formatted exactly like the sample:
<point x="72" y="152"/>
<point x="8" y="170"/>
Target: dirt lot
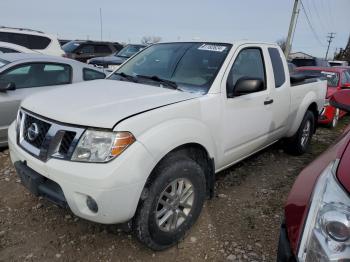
<point x="240" y="224"/>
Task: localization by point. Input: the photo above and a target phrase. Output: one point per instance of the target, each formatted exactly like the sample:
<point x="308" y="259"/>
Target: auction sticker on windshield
<point x="215" y="48"/>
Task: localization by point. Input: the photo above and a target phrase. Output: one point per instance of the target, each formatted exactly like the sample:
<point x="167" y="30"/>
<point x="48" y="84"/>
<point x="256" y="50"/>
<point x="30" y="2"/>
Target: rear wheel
<point x="300" y="142"/>
<point x="173" y="203"/>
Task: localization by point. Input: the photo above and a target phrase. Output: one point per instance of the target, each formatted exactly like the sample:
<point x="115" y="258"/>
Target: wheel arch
<point x="313" y="108"/>
<point x="197" y="153"/>
<point x="299" y="115"/>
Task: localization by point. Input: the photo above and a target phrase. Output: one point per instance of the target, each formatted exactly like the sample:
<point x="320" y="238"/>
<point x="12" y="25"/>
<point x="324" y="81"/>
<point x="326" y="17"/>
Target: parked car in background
<point x="113" y="61"/>
<point x="63" y="41"/>
<point x="24" y="74"/>
<point x="144" y="145"/>
<point x="31" y="39"/>
<point x="317" y="211"/>
<point x="6" y="47"/>
<point x="314" y="61"/>
<point x="338" y="63"/>
<point x="83" y="50"/>
<point x="337" y="79"/>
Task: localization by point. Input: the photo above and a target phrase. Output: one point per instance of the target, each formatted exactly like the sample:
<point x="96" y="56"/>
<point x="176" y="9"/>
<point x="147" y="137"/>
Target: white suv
<point x="35" y="40"/>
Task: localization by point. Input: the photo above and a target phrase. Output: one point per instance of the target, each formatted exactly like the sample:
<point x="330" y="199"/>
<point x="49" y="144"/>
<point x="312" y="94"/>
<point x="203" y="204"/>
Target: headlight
<point x="326" y="234"/>
<point x="101" y="146"/>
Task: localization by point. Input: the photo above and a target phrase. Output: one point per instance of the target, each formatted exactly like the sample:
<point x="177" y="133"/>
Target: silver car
<point x="24" y="74"/>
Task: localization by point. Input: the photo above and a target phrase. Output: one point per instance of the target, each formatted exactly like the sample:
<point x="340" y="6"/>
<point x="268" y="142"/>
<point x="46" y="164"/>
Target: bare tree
<point x="282" y="43"/>
<point x="147" y="40"/>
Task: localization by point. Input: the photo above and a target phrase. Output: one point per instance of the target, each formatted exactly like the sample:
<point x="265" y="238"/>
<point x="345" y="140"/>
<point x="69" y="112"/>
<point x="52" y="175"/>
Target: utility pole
<point x="101" y="21"/>
<point x="330" y="38"/>
<point x="292" y="24"/>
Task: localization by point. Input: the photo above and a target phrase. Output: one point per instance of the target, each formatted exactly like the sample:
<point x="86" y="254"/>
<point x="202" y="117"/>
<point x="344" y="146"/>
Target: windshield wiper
<point x="162" y="81"/>
<point x="127" y="77"/>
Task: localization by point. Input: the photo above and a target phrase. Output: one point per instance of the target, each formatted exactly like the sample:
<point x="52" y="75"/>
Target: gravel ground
<point x="240" y="224"/>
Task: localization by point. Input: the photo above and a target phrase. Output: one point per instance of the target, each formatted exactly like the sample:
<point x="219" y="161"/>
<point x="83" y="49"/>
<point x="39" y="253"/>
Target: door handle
<point x="267" y="102"/>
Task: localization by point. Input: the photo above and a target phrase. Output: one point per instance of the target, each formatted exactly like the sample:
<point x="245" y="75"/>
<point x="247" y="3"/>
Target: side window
<point x="103" y="49"/>
<point x="248" y="64"/>
<point x="344" y="79"/>
<point x="38" y="42"/>
<point x="38" y="74"/>
<point x="89" y="74"/>
<point x="86" y="49"/>
<point x="277" y="66"/>
<point x="347" y="73"/>
<point x="7" y="50"/>
<point x="28" y="41"/>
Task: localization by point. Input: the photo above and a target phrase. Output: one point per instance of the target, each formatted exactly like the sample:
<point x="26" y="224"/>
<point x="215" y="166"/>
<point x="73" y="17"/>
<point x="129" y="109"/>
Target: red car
<point x="317" y="212"/>
<point x="337" y="78"/>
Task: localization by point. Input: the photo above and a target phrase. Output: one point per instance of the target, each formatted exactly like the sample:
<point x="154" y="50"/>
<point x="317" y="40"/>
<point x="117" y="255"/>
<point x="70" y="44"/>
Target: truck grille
<point x="42" y="129"/>
<point x="45" y="138"/>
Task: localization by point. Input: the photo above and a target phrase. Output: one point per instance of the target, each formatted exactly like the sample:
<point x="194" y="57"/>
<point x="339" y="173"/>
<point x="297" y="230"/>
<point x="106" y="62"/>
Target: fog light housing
<point x="91" y="204"/>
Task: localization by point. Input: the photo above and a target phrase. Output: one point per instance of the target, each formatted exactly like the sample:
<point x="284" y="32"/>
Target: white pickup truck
<point x="143" y="146"/>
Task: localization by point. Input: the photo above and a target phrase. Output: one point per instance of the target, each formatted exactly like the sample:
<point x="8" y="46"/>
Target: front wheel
<point x="300" y="142"/>
<point x="173" y="203"/>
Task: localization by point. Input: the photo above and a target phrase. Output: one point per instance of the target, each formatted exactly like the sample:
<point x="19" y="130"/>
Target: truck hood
<point x="101" y="103"/>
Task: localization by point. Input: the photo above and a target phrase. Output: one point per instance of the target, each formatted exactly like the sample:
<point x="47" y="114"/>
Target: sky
<point x="220" y="20"/>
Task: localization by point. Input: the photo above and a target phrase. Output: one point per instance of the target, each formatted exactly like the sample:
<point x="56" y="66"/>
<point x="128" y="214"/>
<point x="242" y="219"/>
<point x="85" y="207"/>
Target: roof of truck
<point x="222" y="41"/>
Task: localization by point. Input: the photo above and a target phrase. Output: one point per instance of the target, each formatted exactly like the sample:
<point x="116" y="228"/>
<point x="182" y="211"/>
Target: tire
<point x="297" y="145"/>
<point x="147" y="227"/>
<point x="335" y="119"/>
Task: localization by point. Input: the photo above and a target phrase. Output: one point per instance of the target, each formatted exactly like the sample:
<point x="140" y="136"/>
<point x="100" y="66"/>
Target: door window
<point x="87" y="49"/>
<point x="248" y="64"/>
<point x="277" y="66"/>
<point x="38" y="74"/>
<point x="89" y="74"/>
<point x="345" y="78"/>
<point x="104" y="49"/>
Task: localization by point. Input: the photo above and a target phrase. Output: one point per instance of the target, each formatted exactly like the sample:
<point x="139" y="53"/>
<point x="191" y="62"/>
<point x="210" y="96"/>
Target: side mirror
<point x="7" y="86"/>
<point x="346" y="86"/>
<point x="341" y="100"/>
<point x="247" y="85"/>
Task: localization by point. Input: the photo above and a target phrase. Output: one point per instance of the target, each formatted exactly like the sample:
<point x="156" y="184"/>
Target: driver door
<point x="247" y="118"/>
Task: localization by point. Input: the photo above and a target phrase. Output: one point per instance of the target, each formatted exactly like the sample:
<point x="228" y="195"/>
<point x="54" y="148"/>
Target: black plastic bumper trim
<point x="40" y="185"/>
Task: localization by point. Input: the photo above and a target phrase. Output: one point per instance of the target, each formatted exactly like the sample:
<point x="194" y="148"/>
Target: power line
<point x="330" y="38"/>
<point x="330" y="13"/>
<point x="310" y="25"/>
<point x="317" y="13"/>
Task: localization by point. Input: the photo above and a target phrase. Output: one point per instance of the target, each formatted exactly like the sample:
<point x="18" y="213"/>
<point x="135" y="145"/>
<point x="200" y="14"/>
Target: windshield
<point x="129" y="50"/>
<point x="191" y="66"/>
<point x="332" y="77"/>
<point x="3" y="62"/>
<point x="70" y="46"/>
